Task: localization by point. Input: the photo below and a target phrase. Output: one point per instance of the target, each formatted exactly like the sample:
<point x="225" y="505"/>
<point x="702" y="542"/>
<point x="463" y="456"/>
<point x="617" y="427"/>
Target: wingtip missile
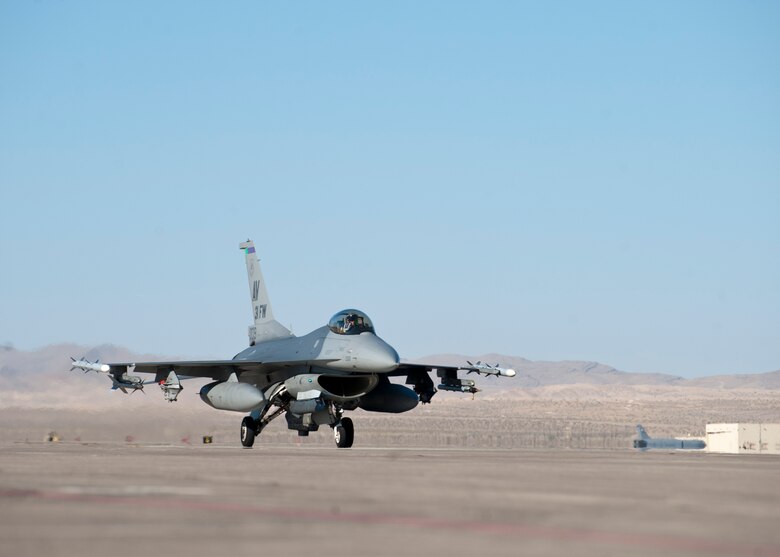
<point x="87" y="366"/>
<point x="487" y="369"/>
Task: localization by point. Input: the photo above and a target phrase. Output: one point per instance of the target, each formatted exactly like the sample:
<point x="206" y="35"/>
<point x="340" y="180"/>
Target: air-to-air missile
<point x="451" y="382"/>
<point x="121" y="381"/>
<point x="86" y="365"/>
<point x="487" y="369"/>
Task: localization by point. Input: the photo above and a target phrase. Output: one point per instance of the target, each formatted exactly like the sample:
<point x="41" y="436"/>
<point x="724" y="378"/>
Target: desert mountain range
<point x="40" y="378"/>
<point x="540" y="374"/>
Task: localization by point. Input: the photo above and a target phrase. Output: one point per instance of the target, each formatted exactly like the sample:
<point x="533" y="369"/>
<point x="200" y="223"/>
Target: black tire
<point x="344" y="433"/>
<point x="248" y="428"/>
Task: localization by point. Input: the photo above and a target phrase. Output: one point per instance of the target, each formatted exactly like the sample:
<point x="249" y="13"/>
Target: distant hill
<point x="770" y="380"/>
<point x="40" y="378"/>
<point x="540" y="374"/>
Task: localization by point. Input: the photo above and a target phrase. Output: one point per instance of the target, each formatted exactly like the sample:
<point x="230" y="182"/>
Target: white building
<point x="743" y="438"/>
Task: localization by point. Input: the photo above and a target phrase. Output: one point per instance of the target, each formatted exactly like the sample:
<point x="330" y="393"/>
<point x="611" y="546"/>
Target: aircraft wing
<point x="216" y="369"/>
<point x="413" y="369"/>
<point x="418" y="375"/>
<point x="406" y="368"/>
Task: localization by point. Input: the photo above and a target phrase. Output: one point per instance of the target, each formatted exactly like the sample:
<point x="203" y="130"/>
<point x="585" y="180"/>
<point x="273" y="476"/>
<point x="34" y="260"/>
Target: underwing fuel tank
<point x="389" y="397"/>
<point x="231" y="395"/>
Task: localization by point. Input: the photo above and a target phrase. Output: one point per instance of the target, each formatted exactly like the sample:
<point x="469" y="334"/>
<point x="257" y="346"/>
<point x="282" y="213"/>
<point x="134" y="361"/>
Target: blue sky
<point x="557" y="180"/>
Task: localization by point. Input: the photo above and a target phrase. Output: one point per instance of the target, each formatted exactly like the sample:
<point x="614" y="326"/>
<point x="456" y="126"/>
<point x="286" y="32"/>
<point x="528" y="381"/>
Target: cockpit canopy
<point x="350" y="322"/>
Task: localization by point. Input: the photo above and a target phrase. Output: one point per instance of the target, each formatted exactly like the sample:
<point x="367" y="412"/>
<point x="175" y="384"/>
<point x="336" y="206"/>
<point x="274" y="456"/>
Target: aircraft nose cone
<point x="510" y="373"/>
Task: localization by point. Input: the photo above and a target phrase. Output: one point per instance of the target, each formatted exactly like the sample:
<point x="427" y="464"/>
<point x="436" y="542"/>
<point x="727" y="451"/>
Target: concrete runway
<point x="102" y="499"/>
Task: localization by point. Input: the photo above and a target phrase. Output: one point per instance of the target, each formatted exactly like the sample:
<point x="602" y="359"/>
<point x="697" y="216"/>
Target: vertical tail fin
<point x="642" y="433"/>
<point x="265" y="327"/>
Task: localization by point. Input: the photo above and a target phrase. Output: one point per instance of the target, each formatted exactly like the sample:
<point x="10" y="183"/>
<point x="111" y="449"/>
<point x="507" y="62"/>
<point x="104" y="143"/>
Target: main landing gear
<point x="343" y="429"/>
<point x="248" y="431"/>
<point x="252" y="425"/>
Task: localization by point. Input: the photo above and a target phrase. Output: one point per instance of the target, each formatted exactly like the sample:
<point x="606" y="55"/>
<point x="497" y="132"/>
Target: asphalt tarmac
<point x="117" y="500"/>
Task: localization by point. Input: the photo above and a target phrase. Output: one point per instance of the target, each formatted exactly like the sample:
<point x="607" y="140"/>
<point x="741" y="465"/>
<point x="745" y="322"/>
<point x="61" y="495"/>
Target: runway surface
<point x="118" y="500"/>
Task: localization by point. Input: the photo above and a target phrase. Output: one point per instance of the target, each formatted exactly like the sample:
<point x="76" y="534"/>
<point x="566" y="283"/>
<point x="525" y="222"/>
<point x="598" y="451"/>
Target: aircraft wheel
<point x="248" y="427"/>
<point x="344" y="433"/>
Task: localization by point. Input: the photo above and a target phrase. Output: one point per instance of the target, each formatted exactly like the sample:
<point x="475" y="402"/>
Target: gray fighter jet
<point x="644" y="442"/>
<point x="313" y="379"/>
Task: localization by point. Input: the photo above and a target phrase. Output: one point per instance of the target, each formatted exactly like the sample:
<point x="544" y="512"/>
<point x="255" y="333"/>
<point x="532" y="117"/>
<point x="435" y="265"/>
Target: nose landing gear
<point x="344" y="433"/>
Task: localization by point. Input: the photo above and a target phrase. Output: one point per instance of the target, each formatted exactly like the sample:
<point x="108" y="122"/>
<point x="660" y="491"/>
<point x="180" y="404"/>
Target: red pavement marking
<point x="654" y="541"/>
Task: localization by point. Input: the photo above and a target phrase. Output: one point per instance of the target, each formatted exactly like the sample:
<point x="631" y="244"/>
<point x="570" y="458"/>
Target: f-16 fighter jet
<point x="312" y="380"/>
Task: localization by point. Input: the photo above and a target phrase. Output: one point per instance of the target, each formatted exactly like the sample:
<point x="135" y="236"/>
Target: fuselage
<point x="325" y="350"/>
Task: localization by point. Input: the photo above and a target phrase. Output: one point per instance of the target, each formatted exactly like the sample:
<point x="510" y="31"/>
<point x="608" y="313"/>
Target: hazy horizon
<point x="556" y="371"/>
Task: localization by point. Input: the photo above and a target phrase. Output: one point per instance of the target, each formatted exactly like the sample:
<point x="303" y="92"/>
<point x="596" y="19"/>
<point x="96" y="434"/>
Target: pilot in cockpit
<point x="350" y="322"/>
